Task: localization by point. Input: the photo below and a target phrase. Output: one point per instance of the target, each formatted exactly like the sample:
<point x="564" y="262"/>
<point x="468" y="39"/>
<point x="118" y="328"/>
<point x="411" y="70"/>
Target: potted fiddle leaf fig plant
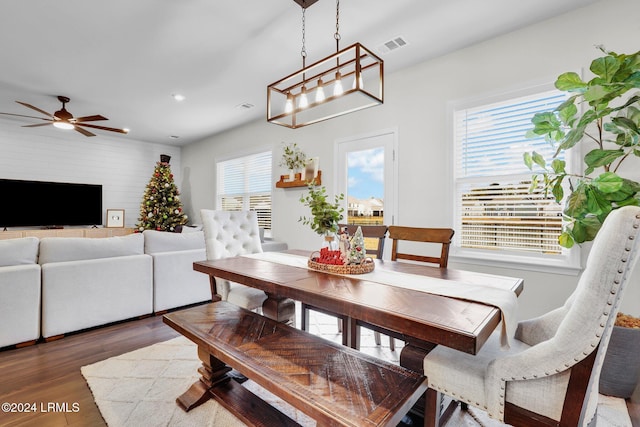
<point x="325" y="215"/>
<point x="621" y="367"/>
<point x="604" y="115"/>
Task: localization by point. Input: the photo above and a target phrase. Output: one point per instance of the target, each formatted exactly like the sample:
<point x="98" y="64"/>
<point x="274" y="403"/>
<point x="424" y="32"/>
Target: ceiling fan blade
<point x="22" y="115"/>
<point x="84" y="131"/>
<point x="35" y="108"/>
<point x="37" y="124"/>
<point x="90" y="118"/>
<point x="101" y="127"/>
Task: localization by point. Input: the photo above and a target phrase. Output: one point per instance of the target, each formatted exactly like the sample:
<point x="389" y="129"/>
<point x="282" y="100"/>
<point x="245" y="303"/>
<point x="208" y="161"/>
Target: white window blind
<point x="494" y="208"/>
<point x="244" y="183"/>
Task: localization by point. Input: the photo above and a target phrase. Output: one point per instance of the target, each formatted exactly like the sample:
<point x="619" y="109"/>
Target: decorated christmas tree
<point x="161" y="208"/>
<point x="357" y="252"/>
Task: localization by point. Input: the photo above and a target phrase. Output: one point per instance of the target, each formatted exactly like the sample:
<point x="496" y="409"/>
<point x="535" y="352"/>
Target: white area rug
<point x="140" y="388"/>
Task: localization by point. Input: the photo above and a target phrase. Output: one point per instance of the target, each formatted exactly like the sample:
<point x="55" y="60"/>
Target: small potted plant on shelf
<point x="293" y="158"/>
<point x="621" y="367"/>
<point x="610" y="123"/>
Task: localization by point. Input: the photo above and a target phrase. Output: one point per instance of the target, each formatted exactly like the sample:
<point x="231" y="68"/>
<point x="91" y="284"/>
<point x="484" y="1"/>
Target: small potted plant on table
<point x="348" y="255"/>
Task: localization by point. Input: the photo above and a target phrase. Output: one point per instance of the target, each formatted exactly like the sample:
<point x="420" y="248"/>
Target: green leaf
<point x="558" y="166"/>
<point x="528" y="160"/>
<point x="597" y="158"/>
<point x="576" y="205"/>
<point x="565" y="240"/>
<point x="570" y="82"/>
<point x="539" y="160"/>
<point x="558" y="191"/>
<point x="596" y="204"/>
<point x="595" y="93"/>
<point x="573" y="137"/>
<point x="586" y="229"/>
<point x="605" y="67"/>
<point x="544" y="123"/>
<point x="567" y="113"/>
<point x="608" y="182"/>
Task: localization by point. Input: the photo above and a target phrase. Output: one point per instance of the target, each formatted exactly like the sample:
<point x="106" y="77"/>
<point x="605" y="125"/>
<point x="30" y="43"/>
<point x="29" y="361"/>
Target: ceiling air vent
<point x="392" y="44"/>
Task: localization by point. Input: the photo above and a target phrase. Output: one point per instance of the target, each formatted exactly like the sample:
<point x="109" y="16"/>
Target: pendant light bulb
<point x="320" y="91"/>
<point x="304" y="102"/>
<point x="360" y="82"/>
<point x="288" y="106"/>
<point x="337" y="87"/>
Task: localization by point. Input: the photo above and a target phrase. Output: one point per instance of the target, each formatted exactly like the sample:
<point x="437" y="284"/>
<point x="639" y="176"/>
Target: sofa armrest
<point x="19" y="304"/>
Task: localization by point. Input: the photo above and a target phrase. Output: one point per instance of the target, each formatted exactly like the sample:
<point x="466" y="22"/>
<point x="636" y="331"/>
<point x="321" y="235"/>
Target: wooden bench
<point x="333" y="384"/>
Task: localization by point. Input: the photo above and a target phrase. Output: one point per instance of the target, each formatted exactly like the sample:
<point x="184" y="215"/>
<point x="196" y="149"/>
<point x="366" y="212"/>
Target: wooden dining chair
<point x="372" y="233"/>
<point x="549" y="376"/>
<point x="434" y="236"/>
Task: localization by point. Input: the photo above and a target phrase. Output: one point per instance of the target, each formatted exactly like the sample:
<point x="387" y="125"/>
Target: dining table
<point x="390" y="299"/>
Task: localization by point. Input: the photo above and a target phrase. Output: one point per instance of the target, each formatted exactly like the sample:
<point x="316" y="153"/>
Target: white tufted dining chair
<point x="550" y="374"/>
<point x="228" y="234"/>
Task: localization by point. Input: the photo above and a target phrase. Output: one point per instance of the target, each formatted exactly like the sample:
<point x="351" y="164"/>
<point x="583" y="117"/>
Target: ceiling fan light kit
<point x="62" y="119"/>
<point x="350" y="80"/>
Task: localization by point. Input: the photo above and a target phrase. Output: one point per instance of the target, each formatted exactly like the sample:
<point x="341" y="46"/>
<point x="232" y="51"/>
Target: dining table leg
<point x="279" y="309"/>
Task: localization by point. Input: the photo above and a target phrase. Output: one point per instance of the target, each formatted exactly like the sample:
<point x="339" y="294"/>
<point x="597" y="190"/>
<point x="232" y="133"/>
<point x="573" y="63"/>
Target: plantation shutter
<point x="244" y="183"/>
<point x="494" y="208"/>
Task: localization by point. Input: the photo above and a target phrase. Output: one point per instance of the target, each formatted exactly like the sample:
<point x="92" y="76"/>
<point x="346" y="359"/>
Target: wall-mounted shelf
<point x="297" y="182"/>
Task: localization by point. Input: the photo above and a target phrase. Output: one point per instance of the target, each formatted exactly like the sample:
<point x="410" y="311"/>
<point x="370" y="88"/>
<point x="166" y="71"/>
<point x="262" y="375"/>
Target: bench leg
<point x="213" y="372"/>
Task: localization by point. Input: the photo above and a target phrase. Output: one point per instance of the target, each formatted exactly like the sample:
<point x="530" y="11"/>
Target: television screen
<point x="46" y="204"/>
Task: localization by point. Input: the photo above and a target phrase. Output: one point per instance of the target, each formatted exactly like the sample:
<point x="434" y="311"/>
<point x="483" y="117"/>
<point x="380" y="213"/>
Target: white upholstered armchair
<point x="228" y="234"/>
<point x="550" y="374"/>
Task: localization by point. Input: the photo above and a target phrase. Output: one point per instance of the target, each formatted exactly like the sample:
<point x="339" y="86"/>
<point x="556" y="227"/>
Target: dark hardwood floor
<point x="49" y="373"/>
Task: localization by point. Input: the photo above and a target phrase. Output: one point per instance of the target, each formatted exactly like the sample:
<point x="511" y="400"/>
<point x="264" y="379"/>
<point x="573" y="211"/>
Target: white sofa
<point x="56" y="285"/>
<point x="90" y="282"/>
<point x="175" y="282"/>
<point x="19" y="291"/>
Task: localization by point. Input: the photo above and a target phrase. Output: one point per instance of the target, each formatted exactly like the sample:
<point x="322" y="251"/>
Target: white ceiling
<point x="125" y="58"/>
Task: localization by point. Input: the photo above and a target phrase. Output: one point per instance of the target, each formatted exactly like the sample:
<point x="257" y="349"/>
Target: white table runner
<point x="489" y="294"/>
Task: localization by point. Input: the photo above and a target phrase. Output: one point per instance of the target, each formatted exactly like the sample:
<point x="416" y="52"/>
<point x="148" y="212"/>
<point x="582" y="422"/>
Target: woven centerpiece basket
<point x="367" y="266"/>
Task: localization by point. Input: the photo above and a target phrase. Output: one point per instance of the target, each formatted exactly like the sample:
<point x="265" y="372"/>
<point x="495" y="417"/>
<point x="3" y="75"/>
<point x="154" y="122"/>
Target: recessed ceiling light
<point x="178" y="97"/>
<point x="245" y="106"/>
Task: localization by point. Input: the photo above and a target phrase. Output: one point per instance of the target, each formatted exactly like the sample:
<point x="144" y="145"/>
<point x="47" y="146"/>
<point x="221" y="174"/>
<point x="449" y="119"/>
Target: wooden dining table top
<point x="456" y="323"/>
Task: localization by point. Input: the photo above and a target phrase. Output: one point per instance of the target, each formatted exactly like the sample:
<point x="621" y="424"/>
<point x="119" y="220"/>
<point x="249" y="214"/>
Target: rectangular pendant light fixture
<point x="351" y="79"/>
<point x="358" y="71"/>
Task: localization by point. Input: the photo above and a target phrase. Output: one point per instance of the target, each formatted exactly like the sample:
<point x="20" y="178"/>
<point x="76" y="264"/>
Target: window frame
<point x="245" y="194"/>
<point x="569" y="262"/>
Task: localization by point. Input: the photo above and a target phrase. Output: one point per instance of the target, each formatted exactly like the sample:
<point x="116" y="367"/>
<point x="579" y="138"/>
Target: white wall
<point x="416" y="104"/>
<point x="121" y="165"/>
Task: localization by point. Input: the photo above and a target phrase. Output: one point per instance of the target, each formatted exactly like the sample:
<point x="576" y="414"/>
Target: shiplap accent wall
<point x="122" y="165"/>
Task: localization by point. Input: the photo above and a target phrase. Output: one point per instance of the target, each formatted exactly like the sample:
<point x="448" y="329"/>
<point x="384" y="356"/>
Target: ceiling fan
<point x="64" y="120"/>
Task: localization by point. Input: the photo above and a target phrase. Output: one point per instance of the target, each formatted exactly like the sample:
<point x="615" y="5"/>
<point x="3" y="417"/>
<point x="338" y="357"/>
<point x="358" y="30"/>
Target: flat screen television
<point x="49" y="204"/>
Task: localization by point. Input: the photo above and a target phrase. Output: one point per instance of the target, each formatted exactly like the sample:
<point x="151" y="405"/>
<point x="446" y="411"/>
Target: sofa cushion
<point x="60" y="249"/>
<point x="19" y="251"/>
<point x="164" y="241"/>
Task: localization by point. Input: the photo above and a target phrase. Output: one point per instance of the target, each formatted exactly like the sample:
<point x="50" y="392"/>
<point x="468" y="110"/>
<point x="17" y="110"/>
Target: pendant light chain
<point x="337" y="34"/>
<point x="303" y="52"/>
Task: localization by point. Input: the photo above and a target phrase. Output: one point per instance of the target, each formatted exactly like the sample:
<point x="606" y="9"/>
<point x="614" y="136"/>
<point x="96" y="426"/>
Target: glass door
<point x="367" y="176"/>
